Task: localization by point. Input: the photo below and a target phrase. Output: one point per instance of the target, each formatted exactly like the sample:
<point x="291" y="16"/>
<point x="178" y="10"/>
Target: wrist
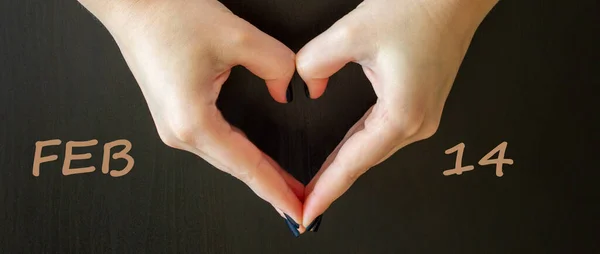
<point x="469" y="10"/>
<point x="460" y="17"/>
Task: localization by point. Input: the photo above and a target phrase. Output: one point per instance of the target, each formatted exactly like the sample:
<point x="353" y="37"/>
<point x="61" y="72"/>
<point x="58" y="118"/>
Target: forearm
<point x="101" y="7"/>
<point x="113" y="11"/>
<point x="466" y="13"/>
<point x="455" y="18"/>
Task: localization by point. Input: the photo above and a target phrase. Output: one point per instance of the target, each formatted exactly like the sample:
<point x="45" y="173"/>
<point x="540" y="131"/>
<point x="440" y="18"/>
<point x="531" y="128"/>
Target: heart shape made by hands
<point x="409" y="51"/>
<point x="302" y="134"/>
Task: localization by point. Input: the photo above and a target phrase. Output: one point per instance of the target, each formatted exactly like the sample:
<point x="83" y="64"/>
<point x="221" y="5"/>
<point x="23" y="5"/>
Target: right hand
<point x="181" y="52"/>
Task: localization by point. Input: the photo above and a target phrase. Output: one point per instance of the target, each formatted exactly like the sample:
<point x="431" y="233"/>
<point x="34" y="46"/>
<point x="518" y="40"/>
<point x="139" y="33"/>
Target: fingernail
<point x="289" y="94"/>
<point x="292" y="225"/>
<point x="287" y="217"/>
<point x="314" y="226"/>
<point x="306" y="90"/>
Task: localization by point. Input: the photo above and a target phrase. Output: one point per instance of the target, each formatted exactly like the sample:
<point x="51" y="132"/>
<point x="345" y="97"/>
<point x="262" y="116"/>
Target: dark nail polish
<point x="287" y="217"/>
<point x="306" y="91"/>
<point x="289" y="94"/>
<point x="314" y="226"/>
<point x="292" y="225"/>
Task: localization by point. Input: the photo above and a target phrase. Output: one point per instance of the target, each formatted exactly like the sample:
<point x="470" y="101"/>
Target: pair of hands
<point x="182" y="51"/>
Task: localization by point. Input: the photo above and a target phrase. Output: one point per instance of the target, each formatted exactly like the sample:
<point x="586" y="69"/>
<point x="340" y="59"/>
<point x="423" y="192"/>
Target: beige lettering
<point x="123" y="154"/>
<point x="69" y="156"/>
<point x="500" y="149"/>
<point x="38" y="159"/>
<point x="458" y="168"/>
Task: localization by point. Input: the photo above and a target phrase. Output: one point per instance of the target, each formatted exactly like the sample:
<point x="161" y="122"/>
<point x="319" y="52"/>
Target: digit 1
<point x="458" y="168"/>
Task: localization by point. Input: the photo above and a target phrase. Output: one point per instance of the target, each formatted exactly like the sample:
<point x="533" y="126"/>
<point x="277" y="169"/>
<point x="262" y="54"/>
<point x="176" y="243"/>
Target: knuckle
<point x="166" y="137"/>
<point x="351" y="177"/>
<point x="245" y="176"/>
<point x="183" y="134"/>
<point x="239" y="37"/>
<point x="406" y="123"/>
<point x="349" y="172"/>
<point x="428" y="130"/>
<point x="188" y="130"/>
<point x="248" y="175"/>
<point x="169" y="140"/>
<point x="346" y="32"/>
<point x="303" y="64"/>
<point x="289" y="68"/>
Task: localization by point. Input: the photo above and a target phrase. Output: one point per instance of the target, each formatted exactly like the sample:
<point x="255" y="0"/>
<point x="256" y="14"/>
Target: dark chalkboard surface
<point x="530" y="79"/>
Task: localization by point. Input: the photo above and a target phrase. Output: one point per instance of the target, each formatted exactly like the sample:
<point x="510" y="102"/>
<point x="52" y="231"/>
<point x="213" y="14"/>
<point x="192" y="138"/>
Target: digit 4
<point x="501" y="150"/>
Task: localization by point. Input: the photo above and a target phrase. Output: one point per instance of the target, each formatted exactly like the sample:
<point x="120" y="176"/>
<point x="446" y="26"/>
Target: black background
<point x="529" y="78"/>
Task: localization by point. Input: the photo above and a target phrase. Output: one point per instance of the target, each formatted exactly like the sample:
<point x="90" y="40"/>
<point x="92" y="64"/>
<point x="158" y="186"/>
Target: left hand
<point x="410" y="51"/>
<point x="181" y="52"/>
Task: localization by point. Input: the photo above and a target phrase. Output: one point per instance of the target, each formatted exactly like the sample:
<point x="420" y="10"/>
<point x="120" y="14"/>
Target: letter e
<point x="69" y="156"/>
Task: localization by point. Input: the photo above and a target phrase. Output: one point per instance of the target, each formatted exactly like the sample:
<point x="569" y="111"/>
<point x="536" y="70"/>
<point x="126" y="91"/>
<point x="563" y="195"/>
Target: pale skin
<point x="181" y="53"/>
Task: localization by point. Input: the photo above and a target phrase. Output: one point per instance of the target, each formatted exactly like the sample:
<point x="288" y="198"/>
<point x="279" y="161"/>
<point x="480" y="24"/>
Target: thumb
<point x="262" y="55"/>
<point x="329" y="52"/>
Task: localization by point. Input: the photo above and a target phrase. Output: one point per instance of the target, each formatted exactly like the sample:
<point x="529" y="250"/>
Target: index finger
<point x="230" y="151"/>
<point x="367" y="143"/>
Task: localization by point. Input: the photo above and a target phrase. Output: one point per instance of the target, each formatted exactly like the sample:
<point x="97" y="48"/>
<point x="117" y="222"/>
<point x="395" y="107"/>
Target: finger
<point x="370" y="140"/>
<point x="242" y="159"/>
<point x="359" y="125"/>
<point x="295" y="185"/>
<point x="326" y="54"/>
<point x="262" y="55"/>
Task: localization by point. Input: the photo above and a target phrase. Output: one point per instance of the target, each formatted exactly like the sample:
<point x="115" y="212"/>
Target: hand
<point x="410" y="51"/>
<point x="181" y="53"/>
